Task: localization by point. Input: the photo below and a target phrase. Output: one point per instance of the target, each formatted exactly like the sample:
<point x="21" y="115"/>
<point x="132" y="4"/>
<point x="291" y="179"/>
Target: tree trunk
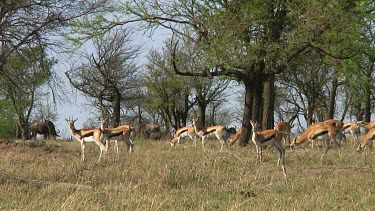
<point x="116" y="108"/>
<point x="368" y="93"/>
<point x="24" y="129"/>
<point x="252" y="108"/>
<point x="268" y="103"/>
<point x="332" y="97"/>
<point x="202" y="113"/>
<point x="139" y="115"/>
<point x="185" y="114"/>
<point x="248" y="108"/>
<point x="257" y="94"/>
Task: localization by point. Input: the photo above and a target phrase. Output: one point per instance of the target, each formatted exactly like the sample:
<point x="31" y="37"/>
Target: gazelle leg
<point x="116" y="149"/>
<point x="203" y="143"/>
<point x="281" y="157"/>
<point x="82" y="150"/>
<point x="328" y="146"/>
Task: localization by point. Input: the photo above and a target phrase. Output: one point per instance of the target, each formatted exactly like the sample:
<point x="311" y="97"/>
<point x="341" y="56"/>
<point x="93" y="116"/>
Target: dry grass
<point x="160" y="177"/>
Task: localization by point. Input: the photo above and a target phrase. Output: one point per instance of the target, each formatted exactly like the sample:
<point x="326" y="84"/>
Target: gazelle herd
<point x="327" y="132"/>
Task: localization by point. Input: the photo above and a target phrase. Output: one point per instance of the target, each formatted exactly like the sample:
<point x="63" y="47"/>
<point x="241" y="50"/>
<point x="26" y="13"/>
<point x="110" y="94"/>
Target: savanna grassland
<point x="160" y="177"/>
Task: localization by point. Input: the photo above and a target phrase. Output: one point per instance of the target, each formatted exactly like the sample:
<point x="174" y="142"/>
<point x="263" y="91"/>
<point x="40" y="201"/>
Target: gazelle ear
<point x="66" y="120"/>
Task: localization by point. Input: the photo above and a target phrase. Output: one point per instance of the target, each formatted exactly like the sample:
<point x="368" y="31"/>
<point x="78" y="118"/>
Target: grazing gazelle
<point x="218" y="131"/>
<point x="367" y="141"/>
<point x="325" y="132"/>
<point x="86" y="135"/>
<point x="333" y="123"/>
<point x="186" y="131"/>
<point x="367" y="125"/>
<point x="121" y="132"/>
<point x="268" y="137"/>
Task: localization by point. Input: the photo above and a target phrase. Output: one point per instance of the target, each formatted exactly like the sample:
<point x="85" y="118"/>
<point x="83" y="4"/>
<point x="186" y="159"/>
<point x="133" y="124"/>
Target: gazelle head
<point x="255" y="126"/>
<point x="71" y="122"/>
<point x="104" y="123"/>
<point x="172" y="142"/>
<point x="194" y="121"/>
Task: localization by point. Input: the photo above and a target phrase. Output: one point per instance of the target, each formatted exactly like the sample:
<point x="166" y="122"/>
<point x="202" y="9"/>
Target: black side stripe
<point x="88" y="134"/>
<point x="115" y="134"/>
<point x="269" y="138"/>
<point x="209" y="132"/>
<point x="183" y="131"/>
<point x="320" y="134"/>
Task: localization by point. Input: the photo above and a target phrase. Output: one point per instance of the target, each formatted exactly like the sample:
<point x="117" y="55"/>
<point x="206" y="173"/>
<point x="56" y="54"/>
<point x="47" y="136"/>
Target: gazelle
<point x="285" y="128"/>
<point x="233" y="138"/>
<point x="336" y="124"/>
<point x="367" y="141"/>
<point x="352" y="128"/>
<point x="268" y="137"/>
<point x="325" y="132"/>
<point x="186" y="131"/>
<point x="367" y="125"/>
<point x="220" y="132"/>
<point x="86" y="135"/>
<point x="122" y="132"/>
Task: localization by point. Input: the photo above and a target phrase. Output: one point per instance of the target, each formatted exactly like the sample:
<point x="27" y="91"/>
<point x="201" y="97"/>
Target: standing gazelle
<point x="285" y="128"/>
<point x="121" y="132"/>
<point x="353" y="128"/>
<point x="218" y="131"/>
<point x="268" y="137"/>
<point x="86" y="135"/>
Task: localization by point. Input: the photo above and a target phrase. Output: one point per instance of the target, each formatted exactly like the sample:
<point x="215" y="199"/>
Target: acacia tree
<point x="108" y="76"/>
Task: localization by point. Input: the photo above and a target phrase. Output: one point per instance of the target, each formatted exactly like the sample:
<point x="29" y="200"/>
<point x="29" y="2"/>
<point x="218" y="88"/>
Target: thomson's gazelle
<point x="367" y="141"/>
<point x="285" y="128"/>
<point x="218" y="131"/>
<point x="324" y="132"/>
<point x="121" y="132"/>
<point x="86" y="135"/>
<point x="268" y="137"/>
<point x="186" y="131"/>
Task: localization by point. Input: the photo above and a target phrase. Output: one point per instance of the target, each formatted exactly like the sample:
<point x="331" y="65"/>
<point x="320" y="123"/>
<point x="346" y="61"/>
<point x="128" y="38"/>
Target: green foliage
<point x="7" y="119"/>
<point x="26" y="71"/>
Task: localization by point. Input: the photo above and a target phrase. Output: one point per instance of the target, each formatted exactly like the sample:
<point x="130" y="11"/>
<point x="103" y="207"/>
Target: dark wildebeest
<point x="151" y="131"/>
<point x="46" y="128"/>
